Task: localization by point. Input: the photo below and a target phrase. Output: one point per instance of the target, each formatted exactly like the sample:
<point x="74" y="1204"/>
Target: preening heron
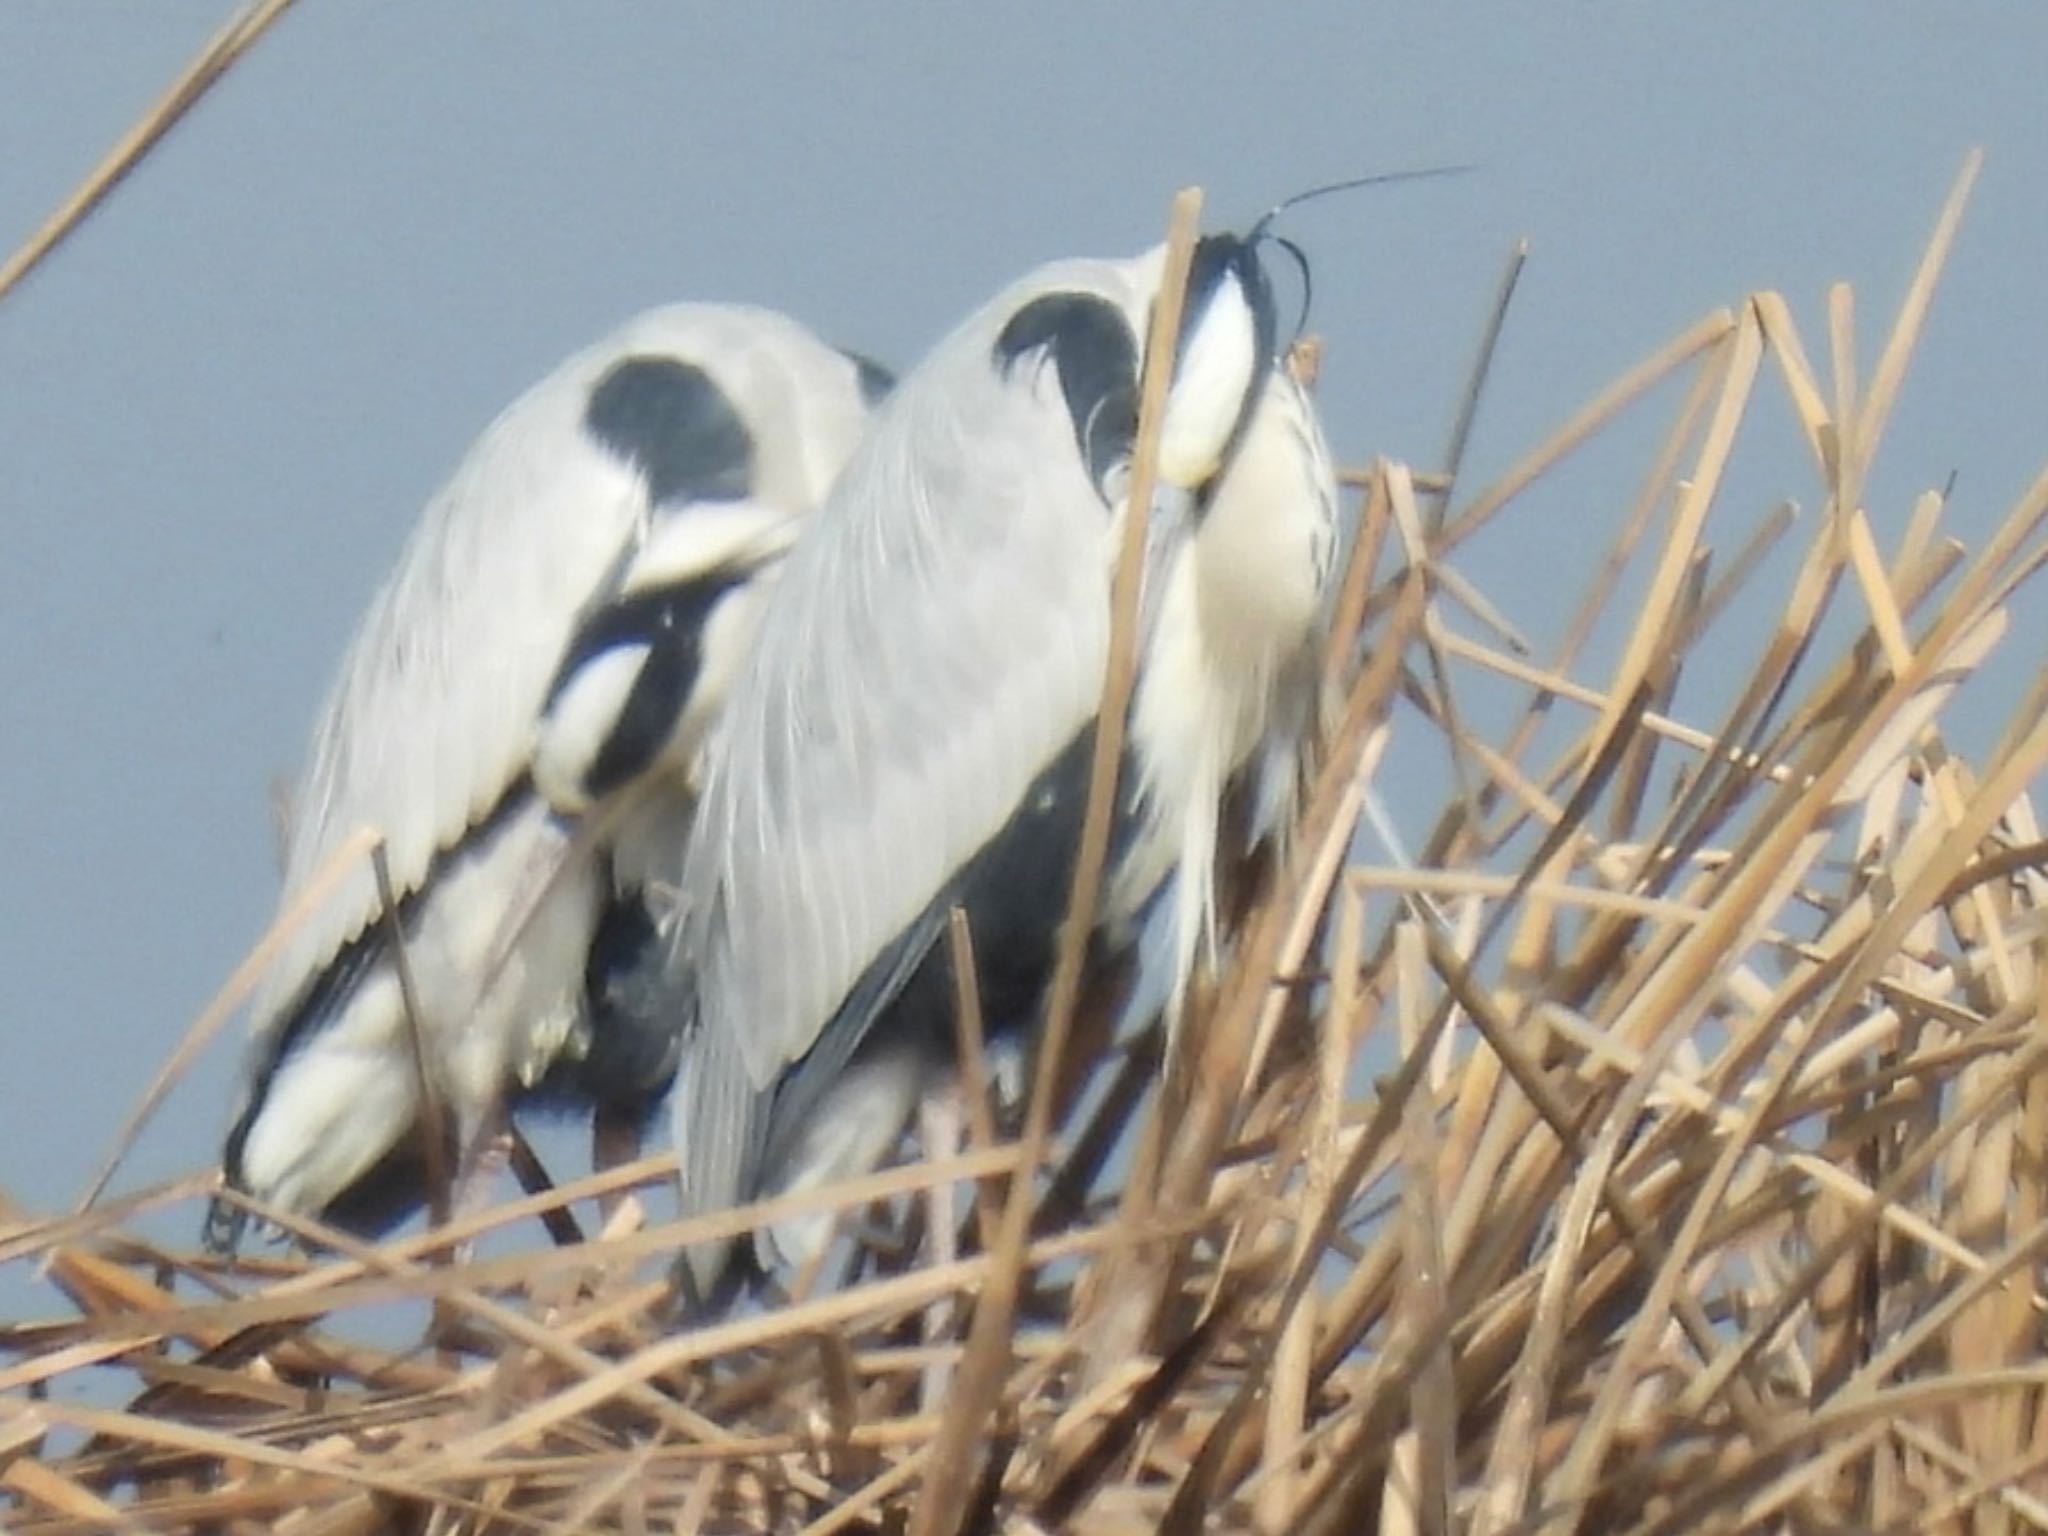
<point x="519" y="716"/>
<point x="912" y="728"/>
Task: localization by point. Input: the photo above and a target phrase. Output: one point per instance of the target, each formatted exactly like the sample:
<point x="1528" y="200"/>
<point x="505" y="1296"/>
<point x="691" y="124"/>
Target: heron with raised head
<point x="519" y="718"/>
<point x="911" y="731"/>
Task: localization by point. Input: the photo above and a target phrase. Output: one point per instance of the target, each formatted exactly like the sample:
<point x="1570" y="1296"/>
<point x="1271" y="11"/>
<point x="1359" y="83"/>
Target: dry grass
<point x="1700" y="1187"/>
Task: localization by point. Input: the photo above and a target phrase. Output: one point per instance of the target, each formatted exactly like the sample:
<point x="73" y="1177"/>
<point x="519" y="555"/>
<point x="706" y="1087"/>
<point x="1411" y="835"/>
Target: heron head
<point x="1225" y="349"/>
<point x="1228" y="342"/>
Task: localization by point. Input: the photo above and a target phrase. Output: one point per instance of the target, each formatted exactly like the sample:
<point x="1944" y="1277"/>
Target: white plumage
<point x="553" y="642"/>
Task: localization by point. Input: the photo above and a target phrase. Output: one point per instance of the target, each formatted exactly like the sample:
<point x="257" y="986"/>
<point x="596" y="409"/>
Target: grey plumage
<point x="912" y="726"/>
<point x="518" y="716"/>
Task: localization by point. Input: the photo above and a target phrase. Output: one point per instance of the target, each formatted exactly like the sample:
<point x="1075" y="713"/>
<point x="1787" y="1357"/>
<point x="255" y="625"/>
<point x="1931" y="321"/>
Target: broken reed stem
<point x="969" y="1035"/>
<point x="1287" y="1415"/>
<point x="1475" y="389"/>
<point x="233" y="993"/>
<point x="979" y="1384"/>
<point x="433" y="1122"/>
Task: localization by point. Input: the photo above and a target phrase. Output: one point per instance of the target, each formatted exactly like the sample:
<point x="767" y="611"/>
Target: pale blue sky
<point x="222" y="404"/>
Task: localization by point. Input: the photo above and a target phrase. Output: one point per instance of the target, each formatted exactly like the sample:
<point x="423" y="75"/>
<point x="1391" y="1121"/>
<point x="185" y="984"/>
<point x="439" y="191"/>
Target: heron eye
<point x="668" y="420"/>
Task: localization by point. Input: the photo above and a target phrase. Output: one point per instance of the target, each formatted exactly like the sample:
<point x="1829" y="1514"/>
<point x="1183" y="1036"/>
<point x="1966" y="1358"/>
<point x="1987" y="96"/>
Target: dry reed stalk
<point x="978" y="1386"/>
<point x="213" y="61"/>
<point x="233" y="993"/>
<point x="1287" y="1418"/>
<point x="1694" y="1182"/>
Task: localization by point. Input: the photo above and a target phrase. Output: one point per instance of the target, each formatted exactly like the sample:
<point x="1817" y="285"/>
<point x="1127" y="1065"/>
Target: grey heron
<point x="911" y="731"/>
<point x="518" y="715"/>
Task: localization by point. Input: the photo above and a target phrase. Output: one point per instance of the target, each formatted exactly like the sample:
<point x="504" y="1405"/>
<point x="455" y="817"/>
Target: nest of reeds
<point x="1660" y="1149"/>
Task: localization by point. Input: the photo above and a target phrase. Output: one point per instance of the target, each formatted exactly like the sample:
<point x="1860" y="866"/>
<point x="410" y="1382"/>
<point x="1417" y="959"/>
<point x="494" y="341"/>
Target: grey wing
<point x="936" y="637"/>
<point x="431" y="717"/>
<point x="432" y="720"/>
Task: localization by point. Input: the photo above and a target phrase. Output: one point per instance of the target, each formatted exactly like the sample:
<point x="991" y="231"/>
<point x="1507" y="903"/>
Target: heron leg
<point x="486" y="1151"/>
<point x="615" y="1140"/>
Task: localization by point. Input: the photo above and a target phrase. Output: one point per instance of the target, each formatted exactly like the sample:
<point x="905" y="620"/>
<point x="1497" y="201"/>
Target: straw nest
<point x="1661" y="1151"/>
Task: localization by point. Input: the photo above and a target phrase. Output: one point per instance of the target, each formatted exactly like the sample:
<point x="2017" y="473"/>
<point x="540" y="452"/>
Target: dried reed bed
<point x="1661" y="1152"/>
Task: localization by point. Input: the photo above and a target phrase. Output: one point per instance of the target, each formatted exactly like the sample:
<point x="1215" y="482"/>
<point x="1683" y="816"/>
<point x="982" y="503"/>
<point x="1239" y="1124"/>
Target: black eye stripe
<point x="1217" y="257"/>
<point x="1092" y="346"/>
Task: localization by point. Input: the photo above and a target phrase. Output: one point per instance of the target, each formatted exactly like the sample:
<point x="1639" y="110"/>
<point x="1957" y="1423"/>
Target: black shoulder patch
<point x="875" y="380"/>
<point x="670" y="421"/>
<point x="1097" y="357"/>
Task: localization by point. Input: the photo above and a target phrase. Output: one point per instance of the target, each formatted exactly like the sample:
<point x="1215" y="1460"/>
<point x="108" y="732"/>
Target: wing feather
<point x="934" y="640"/>
<point x="430" y="721"/>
